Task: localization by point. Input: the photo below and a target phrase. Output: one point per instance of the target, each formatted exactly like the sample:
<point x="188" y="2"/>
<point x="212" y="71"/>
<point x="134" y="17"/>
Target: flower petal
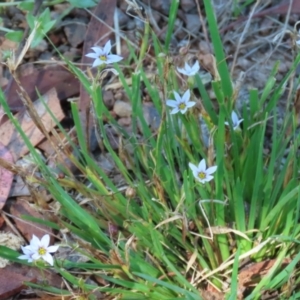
<point x="174" y="111"/>
<point x="234" y="117"/>
<point x="186" y="96"/>
<point x="98" y="62"/>
<point x="97" y="50"/>
<point x="112" y="58"/>
<point x="52" y="249"/>
<point x="172" y="103"/>
<point x="239" y="122"/>
<point x="107" y="47"/>
<point x="35" y="256"/>
<point x="208" y="178"/>
<point x="45" y="241"/>
<point x="28" y="258"/>
<point x="27" y="250"/>
<point x="211" y="170"/>
<point x="183" y="111"/>
<point x="193" y="167"/>
<point x="190" y="104"/>
<point x="177" y="97"/>
<point x="199" y="179"/>
<point x="92" y="55"/>
<point x="182" y="71"/>
<point x="48" y="258"/>
<point x="202" y="165"/>
<point x="34" y="242"/>
<point x="195" y="67"/>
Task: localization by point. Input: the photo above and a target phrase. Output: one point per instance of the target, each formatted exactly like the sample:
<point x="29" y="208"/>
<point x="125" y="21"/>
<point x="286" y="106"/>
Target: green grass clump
<point x="162" y="234"/>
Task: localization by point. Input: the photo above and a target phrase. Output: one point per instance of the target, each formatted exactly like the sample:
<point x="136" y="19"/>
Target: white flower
<point x="235" y="120"/>
<point x="27" y="254"/>
<point x="189" y="71"/>
<point x="181" y="103"/>
<point x="201" y="173"/>
<point x="102" y="56"/>
<point x="39" y="249"/>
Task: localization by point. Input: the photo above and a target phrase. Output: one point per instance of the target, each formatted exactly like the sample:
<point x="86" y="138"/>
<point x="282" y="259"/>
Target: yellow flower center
<point x="42" y="251"/>
<point x="201" y="175"/>
<point x="103" y="57"/>
<point x="182" y="106"/>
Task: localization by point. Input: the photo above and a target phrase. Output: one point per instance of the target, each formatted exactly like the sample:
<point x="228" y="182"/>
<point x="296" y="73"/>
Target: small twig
<point x="9" y="223"/>
<point x="242" y="36"/>
<point x="202" y="23"/>
<point x="117" y="33"/>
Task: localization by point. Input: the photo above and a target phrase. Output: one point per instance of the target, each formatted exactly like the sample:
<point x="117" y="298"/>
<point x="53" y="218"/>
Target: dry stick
<point x="5" y="216"/>
<point x="152" y="19"/>
<point x="293" y="75"/>
<point x="15" y="169"/>
<point x="117" y="33"/>
<point x="33" y="113"/>
<point x="11" y="225"/>
<point x="203" y="24"/>
<point x="242" y="36"/>
<point x="284" y="29"/>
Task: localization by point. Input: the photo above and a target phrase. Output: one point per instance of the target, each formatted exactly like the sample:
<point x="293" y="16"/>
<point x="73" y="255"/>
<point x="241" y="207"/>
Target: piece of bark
<point x="42" y="81"/>
<point x="12" y="139"/>
<point x="11" y="283"/>
<point x="27" y="228"/>
<point x="253" y="273"/>
<point x="6" y="177"/>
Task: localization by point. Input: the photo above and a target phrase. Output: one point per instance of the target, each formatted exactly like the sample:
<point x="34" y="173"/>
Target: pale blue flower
<point x="189" y="71"/>
<point x="102" y="56"/>
<point x="235" y="120"/>
<point x="201" y="173"/>
<point x="39" y="249"/>
<point x="181" y="103"/>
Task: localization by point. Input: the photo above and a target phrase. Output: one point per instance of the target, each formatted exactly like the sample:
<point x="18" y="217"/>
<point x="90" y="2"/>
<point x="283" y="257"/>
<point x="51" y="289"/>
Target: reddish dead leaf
<point x="2" y="221"/>
<point x="6" y="177"/>
<point x="43" y="80"/>
<point x="47" y="146"/>
<point x="13" y="141"/>
<point x="211" y="293"/>
<point x="3" y="117"/>
<point x="53" y="279"/>
<point x="22" y="207"/>
<point x="11" y="283"/>
<point x="253" y="273"/>
<point x="207" y="61"/>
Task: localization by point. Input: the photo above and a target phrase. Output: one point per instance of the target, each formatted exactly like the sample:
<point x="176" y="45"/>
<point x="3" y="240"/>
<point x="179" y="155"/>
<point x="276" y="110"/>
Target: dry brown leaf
<point x="6" y="177"/>
<point x="11" y="283"/>
<point x="33" y="80"/>
<point x="251" y="274"/>
<point x="13" y="141"/>
<point x="27" y="228"/>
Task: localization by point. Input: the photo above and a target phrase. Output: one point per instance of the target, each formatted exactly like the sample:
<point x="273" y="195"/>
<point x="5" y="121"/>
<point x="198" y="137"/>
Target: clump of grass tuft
<point x="163" y="234"/>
